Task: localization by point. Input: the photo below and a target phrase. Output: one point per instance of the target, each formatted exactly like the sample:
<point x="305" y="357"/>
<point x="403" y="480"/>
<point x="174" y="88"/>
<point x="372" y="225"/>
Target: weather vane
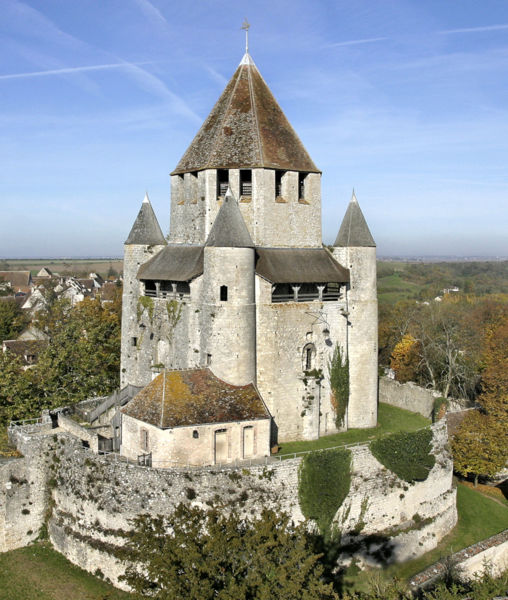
<point x="246" y="26"/>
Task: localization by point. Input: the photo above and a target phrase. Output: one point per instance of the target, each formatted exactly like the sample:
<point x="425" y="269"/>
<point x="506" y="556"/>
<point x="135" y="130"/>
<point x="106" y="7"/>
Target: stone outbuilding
<point x="193" y="417"/>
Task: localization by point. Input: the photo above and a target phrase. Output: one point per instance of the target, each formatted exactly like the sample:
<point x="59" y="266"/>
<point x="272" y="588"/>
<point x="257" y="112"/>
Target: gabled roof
<point x="299" y="265"/>
<point x="17" y="279"/>
<point x="174" y="263"/>
<point x="229" y="229"/>
<point x="354" y="230"/>
<point x="194" y="397"/>
<point x="146" y="229"/>
<point x="246" y="128"/>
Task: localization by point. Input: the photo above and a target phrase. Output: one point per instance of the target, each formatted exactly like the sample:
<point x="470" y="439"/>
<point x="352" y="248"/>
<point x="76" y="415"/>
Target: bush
<point x="324" y="480"/>
<point x="408" y="455"/>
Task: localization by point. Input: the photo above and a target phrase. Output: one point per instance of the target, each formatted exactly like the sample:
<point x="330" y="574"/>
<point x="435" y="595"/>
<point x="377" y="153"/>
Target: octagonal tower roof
<point x="246" y="129"/>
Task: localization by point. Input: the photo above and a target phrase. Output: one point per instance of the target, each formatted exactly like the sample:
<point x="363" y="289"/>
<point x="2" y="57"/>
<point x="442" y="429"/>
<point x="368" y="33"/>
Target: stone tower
<point x="229" y="335"/>
<point x="356" y="250"/>
<point x="248" y="145"/>
<point x="145" y="240"/>
<point x="244" y="285"/>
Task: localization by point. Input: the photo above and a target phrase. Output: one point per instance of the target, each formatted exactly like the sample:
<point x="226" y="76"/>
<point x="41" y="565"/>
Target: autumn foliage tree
<point x="405" y="359"/>
<point x="480" y="445"/>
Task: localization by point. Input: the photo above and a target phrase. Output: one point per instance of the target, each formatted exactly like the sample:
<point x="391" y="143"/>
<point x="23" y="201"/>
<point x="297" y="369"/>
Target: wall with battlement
<point x="88" y="500"/>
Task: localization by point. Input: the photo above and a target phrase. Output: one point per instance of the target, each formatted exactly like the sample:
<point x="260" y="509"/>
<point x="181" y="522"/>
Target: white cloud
<point x="356" y="42"/>
<point x="67" y="71"/>
<point x="475" y="29"/>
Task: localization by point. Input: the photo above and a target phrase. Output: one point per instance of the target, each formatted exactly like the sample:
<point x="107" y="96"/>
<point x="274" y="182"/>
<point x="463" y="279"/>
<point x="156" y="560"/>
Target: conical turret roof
<point x="246" y="128"/>
<point x="229" y="229"/>
<point x="146" y="229"/>
<point x="354" y="230"/>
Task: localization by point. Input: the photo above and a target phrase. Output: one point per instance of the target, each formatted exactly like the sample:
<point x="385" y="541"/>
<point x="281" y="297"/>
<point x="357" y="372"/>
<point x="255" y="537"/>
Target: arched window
<point x="309" y="357"/>
<point x="223" y="293"/>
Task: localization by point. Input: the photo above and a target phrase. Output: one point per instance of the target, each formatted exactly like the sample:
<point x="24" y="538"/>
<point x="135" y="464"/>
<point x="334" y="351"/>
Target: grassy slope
<point x="479" y="518"/>
<point x="393" y="288"/>
<point x="39" y="573"/>
<point x="390" y="419"/>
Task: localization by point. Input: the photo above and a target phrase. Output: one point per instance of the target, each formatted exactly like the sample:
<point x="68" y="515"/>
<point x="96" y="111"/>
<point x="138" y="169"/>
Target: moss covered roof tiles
<point x="194" y="397"/>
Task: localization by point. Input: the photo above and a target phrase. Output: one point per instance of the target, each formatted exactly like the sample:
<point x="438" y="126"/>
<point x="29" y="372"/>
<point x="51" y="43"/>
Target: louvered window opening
<point x="246" y="182"/>
<point x="301" y="185"/>
<point x="222" y="181"/>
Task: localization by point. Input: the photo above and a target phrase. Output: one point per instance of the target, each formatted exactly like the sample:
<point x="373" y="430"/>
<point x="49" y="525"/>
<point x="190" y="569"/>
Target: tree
<point x="405" y="359"/>
<point x="19" y="398"/>
<point x="12" y="319"/>
<point x="82" y="358"/>
<point x="479" y="446"/>
<point x="208" y="555"/>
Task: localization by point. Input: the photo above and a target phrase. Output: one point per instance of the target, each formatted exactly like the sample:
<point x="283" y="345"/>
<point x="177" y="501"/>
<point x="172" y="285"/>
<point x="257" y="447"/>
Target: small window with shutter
<point x="222" y="182"/>
<point x="246" y="182"/>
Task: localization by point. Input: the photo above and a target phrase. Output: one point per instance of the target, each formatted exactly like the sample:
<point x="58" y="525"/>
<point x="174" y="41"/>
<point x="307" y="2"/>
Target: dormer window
<point x="245" y="182"/>
<point x="222" y="182"/>
<point x="301" y="185"/>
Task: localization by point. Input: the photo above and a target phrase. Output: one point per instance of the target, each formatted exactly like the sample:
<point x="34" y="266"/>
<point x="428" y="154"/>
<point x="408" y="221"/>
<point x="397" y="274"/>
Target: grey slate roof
<point x="246" y="128"/>
<point x="354" y="230"/>
<point x="299" y="265"/>
<point x="146" y="229"/>
<point x="174" y="263"/>
<point x="229" y="229"/>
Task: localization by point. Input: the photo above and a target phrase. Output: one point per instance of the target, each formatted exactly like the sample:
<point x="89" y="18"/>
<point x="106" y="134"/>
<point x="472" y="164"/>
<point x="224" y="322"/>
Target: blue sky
<point x="406" y="101"/>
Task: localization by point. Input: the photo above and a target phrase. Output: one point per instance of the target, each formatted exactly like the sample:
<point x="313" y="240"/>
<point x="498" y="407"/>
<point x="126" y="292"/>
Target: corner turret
<point x="146" y="229"/>
<point x="229" y="333"/>
<point x="354" y="231"/>
<point x="145" y="240"/>
<point x="355" y="249"/>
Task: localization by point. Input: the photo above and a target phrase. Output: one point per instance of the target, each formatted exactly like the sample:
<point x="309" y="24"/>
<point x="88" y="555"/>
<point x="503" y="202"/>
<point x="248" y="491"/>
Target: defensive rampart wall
<point x="87" y="500"/>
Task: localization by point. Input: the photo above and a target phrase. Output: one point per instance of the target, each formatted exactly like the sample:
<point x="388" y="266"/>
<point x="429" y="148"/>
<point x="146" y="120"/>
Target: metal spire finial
<point x="246" y="26"/>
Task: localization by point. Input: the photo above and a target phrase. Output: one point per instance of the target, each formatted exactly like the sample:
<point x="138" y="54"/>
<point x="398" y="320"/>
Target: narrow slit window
<point x="246" y="182"/>
<point x="195" y="434"/>
<point x="223" y="293"/>
<point x="301" y="185"/>
<point x="278" y="183"/>
<point x="222" y="182"/>
<point x="308" y="359"/>
<point x="134" y="341"/>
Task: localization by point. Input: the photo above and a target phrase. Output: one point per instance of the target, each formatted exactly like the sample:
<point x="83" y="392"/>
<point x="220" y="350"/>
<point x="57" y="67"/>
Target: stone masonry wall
<point x="415" y="398"/>
<point x="380" y="505"/>
<point x="407" y="395"/>
<point x="88" y="500"/>
<point x="285" y="221"/>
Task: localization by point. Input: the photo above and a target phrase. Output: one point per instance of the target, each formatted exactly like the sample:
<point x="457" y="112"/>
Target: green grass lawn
<point x="390" y="419"/>
<point x="393" y="288"/>
<point x="39" y="573"/>
<point x="479" y="518"/>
